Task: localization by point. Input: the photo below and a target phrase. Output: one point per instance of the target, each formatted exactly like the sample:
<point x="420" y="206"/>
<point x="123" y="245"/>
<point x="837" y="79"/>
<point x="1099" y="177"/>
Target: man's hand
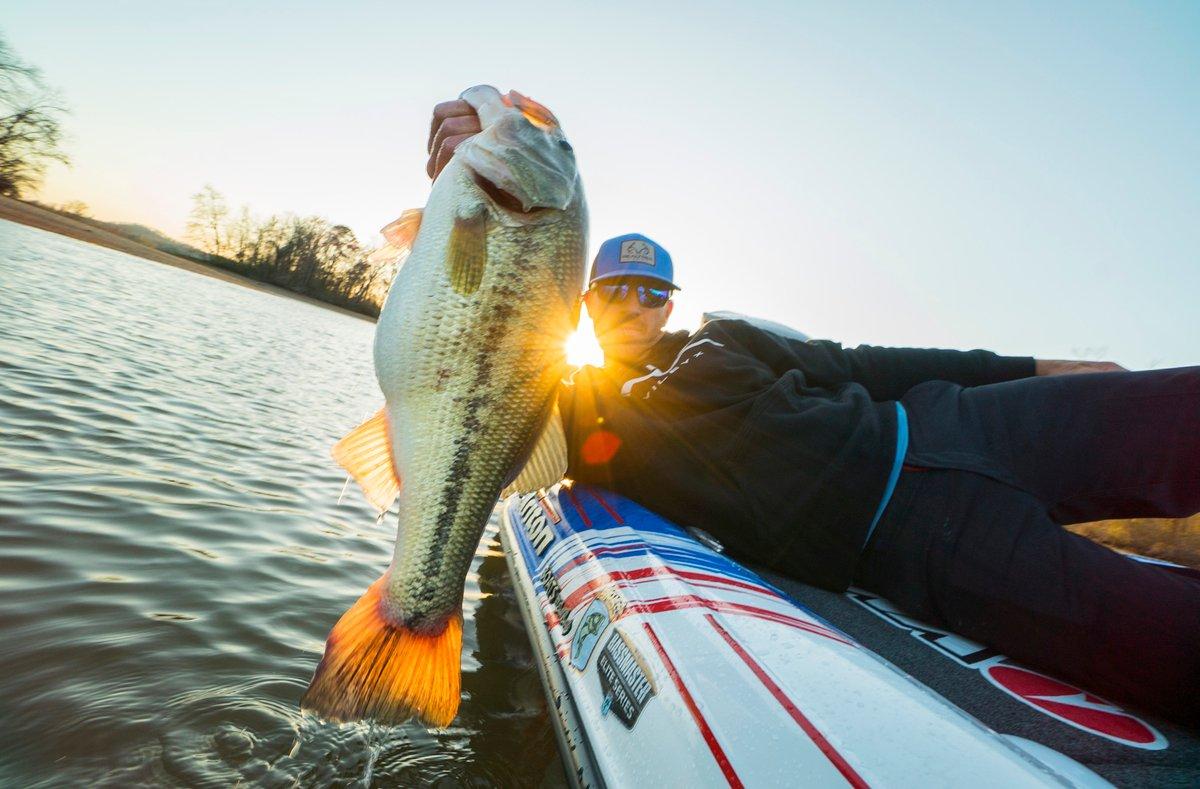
<point x="1068" y="367"/>
<point x="453" y="122"/>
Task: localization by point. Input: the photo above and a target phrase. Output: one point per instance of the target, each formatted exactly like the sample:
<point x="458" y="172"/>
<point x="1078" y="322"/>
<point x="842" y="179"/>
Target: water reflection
<point x="173" y="552"/>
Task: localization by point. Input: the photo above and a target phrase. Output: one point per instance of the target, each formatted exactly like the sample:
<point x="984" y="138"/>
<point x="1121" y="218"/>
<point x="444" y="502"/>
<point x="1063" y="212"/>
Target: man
<point x="939" y="479"/>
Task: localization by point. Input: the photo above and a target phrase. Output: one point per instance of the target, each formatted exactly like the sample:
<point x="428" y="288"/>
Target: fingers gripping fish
<point x="469" y="350"/>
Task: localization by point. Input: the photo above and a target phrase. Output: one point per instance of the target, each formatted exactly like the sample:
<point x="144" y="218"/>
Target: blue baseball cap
<point x="632" y="255"/>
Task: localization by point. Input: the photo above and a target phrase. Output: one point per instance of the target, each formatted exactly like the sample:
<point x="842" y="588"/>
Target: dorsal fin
<point x="402" y="232"/>
<point x="366" y="452"/>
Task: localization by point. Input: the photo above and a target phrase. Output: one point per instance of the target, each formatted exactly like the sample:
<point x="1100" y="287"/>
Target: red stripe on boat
<point x="587" y="522"/>
<point x="826" y="747"/>
<point x="681" y="602"/>
<point x="600" y="498"/>
<point x="605" y="550"/>
<point x="709" y="738"/>
<point x="576" y="598"/>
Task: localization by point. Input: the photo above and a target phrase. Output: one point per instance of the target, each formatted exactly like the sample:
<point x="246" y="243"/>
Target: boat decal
<point x="1054" y="698"/>
<point x="1075" y="707"/>
<point x="553" y="592"/>
<point x="592" y="624"/>
<point x="706" y="732"/>
<point x="827" y="748"/>
<point x="625" y="680"/>
<point x="962" y="651"/>
<point x="536" y="523"/>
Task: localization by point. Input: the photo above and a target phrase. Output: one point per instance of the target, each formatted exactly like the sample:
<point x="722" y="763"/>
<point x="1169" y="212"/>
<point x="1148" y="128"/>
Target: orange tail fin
<point x="374" y="668"/>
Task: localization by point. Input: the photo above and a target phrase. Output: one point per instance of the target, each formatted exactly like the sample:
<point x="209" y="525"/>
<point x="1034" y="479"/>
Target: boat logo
<point x="1051" y="697"/>
<point x="624" y="679"/>
<point x="962" y="651"/>
<point x="537" y="525"/>
<point x="591" y="626"/>
<point x="1073" y="706"/>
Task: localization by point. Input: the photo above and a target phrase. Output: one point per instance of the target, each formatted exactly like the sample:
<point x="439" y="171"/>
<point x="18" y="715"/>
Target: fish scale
<point x="469" y="350"/>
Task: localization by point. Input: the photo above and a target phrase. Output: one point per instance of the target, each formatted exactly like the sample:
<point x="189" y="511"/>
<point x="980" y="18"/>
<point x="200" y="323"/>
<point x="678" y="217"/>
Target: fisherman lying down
<point x="938" y="479"/>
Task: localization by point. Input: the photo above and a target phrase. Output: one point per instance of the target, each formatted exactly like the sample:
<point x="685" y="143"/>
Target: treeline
<point x="309" y="255"/>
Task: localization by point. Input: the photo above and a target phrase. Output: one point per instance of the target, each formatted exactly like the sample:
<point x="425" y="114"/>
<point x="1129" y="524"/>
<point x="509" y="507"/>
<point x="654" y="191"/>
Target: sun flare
<point x="582" y="347"/>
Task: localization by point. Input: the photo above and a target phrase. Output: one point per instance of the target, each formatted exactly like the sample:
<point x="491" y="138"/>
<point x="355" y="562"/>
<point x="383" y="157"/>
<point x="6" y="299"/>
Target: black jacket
<point x="780" y="448"/>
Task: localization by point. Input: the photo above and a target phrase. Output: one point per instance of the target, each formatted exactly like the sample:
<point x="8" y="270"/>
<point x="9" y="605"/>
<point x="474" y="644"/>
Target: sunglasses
<point x="649" y="297"/>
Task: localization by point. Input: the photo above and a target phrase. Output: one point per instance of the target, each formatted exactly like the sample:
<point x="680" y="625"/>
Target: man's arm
<point x="887" y="373"/>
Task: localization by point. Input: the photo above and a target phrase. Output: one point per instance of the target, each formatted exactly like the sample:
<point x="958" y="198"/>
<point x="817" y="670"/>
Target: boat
<point x="667" y="663"/>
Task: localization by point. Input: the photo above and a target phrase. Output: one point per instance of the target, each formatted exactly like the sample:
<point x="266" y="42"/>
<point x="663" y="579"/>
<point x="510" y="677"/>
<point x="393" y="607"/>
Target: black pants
<point x="982" y="551"/>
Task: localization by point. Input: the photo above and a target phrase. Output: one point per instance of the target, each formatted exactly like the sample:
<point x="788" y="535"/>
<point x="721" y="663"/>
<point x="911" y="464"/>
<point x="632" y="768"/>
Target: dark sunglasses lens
<point x="613" y="292"/>
<point x="652" y="298"/>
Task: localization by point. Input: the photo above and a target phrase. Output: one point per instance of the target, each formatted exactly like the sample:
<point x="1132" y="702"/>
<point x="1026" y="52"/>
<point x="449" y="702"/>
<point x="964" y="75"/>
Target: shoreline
<point x="24" y="213"/>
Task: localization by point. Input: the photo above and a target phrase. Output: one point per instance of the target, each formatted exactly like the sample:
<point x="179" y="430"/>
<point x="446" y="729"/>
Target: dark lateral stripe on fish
<point x="460" y="467"/>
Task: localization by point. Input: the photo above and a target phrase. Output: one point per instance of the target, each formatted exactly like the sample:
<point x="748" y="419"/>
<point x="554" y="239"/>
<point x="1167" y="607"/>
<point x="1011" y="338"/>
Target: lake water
<point x="173" y="552"/>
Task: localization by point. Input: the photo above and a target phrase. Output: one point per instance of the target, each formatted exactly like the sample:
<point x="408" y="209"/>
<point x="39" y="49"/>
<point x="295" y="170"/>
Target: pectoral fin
<point x="366" y="452"/>
<point x="547" y="463"/>
<point x="466" y="253"/>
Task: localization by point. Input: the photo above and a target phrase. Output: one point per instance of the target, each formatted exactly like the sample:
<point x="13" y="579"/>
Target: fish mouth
<point x="506" y="200"/>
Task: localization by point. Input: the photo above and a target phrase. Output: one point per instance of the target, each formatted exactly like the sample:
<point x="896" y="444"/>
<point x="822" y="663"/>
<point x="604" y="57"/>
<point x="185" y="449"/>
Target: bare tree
<point x="76" y="207"/>
<point x="269" y="238"/>
<point x="206" y="219"/>
<point x="241" y="237"/>
<point x="30" y="131"/>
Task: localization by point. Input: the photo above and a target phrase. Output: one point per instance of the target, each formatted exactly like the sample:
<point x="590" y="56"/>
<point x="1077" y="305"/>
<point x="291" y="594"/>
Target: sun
<point x="582" y="347"/>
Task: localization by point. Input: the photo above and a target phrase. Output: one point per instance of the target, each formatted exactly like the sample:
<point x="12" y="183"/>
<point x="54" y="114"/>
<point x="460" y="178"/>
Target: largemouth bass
<point x="469" y="351"/>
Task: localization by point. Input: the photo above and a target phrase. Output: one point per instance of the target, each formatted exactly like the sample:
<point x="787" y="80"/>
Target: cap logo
<point x="635" y="251"/>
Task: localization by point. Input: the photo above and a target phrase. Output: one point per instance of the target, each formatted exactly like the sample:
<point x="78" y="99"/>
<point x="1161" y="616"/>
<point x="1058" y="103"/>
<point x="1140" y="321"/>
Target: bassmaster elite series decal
<point x="624" y="679"/>
<point x="1059" y="700"/>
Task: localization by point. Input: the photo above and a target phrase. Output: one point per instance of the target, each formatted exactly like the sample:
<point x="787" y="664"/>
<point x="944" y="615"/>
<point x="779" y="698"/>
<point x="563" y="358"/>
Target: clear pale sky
<point x="1019" y="177"/>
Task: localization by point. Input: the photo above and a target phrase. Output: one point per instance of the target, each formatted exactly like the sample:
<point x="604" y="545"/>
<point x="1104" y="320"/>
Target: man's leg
<point x="984" y="559"/>
<point x="1091" y="447"/>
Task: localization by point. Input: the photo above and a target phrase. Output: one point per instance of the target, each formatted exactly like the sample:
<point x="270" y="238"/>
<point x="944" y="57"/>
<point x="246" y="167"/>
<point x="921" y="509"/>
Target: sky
<point x="1022" y="177"/>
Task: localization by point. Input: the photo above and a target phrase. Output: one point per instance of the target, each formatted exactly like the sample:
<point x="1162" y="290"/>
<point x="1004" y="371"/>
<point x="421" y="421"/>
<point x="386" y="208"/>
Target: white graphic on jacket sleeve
<point x="663" y="375"/>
